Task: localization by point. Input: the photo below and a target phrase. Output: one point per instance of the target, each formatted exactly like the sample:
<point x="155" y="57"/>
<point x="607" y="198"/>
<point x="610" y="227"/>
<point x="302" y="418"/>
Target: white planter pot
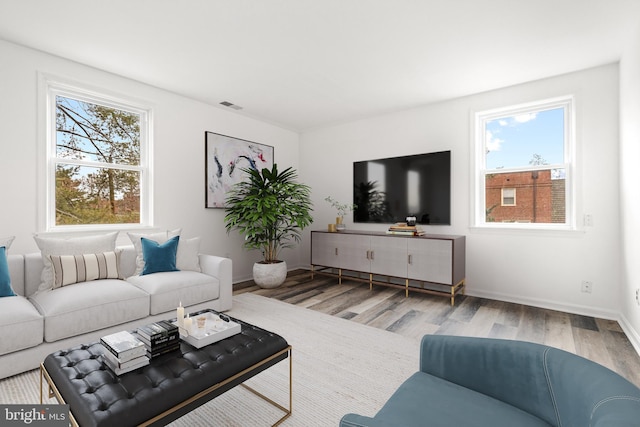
<point x="269" y="275"/>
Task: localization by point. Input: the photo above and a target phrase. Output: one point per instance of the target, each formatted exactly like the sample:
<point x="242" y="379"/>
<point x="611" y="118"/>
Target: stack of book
<point x="159" y="338"/>
<point x="401" y="228"/>
<point x="123" y="352"/>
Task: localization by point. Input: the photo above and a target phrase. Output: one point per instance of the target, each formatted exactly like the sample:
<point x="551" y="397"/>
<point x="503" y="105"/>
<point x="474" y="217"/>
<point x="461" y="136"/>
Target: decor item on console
<point x="269" y="209"/>
<point x="342" y="209"/>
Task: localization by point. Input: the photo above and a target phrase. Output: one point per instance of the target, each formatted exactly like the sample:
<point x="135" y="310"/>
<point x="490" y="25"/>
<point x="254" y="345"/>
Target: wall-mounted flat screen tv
<point x="390" y="190"/>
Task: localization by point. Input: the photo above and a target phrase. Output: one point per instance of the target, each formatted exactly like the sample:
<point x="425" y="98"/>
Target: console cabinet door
<point x="348" y="251"/>
<point x="388" y="256"/>
<point x="352" y="252"/>
<point x="324" y="250"/>
<point x="431" y="260"/>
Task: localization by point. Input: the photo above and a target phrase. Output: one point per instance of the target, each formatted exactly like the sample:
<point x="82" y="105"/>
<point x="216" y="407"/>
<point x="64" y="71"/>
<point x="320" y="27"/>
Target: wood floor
<point x="600" y="340"/>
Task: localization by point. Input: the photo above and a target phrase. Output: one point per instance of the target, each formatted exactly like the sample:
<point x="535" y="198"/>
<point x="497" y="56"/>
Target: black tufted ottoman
<point x="166" y="389"/>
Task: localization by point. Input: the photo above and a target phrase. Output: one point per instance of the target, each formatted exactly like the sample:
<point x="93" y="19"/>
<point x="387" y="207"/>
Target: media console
<point x="433" y="264"/>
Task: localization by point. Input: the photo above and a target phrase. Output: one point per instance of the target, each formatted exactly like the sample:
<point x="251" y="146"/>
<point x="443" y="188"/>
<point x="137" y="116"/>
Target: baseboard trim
<point x="630" y="332"/>
<point x="548" y="304"/>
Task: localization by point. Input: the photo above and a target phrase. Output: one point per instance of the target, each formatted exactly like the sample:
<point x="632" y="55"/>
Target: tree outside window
<point x="97" y="162"/>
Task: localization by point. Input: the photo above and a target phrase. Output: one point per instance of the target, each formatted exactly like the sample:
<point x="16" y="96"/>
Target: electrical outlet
<point x="588" y="220"/>
<point x="638" y="296"/>
<point x="587" y="286"/>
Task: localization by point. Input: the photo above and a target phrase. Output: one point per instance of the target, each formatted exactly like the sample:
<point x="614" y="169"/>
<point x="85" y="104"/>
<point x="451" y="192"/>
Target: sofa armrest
<point x="355" y="420"/>
<point x="220" y="268"/>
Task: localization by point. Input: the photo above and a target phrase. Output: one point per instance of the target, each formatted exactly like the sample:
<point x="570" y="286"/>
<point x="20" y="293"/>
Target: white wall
<point x="537" y="268"/>
<point x="179" y="127"/>
<point x="630" y="188"/>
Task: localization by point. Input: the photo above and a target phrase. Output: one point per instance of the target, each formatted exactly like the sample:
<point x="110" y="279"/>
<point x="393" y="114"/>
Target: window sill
<point x="542" y="230"/>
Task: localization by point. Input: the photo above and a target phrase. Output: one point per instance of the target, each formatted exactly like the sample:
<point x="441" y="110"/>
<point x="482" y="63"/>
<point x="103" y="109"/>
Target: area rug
<point x="338" y="367"/>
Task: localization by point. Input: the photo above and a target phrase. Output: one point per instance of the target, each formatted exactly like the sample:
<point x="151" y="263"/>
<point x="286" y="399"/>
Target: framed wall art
<point x="225" y="157"/>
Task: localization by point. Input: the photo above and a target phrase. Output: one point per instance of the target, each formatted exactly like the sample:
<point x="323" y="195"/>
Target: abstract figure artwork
<point x="226" y="156"/>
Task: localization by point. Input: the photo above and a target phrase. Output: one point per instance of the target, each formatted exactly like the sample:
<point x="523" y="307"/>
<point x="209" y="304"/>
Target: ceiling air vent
<point x="231" y="105"/>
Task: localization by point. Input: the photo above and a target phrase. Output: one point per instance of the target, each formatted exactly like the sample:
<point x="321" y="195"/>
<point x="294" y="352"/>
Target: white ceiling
<point x="305" y="64"/>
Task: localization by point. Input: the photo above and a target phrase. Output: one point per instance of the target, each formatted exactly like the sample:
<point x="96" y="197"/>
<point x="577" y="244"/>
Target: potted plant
<point x="342" y="209"/>
<point x="270" y="209"/>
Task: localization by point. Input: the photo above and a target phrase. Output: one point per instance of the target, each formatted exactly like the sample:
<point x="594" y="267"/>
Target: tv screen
<point x="390" y="190"/>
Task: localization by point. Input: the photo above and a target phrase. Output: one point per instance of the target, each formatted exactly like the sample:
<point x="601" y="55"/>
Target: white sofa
<point x="34" y="324"/>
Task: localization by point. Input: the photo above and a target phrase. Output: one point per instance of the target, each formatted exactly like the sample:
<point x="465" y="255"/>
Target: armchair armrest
<point x="510" y="371"/>
<point x="552" y="384"/>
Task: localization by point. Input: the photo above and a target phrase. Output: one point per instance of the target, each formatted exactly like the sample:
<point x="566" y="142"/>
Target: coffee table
<point x="169" y="387"/>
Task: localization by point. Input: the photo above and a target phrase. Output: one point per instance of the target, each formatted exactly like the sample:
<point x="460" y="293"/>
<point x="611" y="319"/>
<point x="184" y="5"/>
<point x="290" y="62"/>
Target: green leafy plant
<point x="270" y="209"/>
<point x="342" y="208"/>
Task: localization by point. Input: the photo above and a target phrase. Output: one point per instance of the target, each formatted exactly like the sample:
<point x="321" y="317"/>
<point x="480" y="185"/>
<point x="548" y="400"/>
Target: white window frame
<point x="479" y="170"/>
<point x="52" y="87"/>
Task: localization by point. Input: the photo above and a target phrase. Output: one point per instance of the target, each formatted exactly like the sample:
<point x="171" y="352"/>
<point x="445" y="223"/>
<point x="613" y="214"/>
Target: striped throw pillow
<point x="70" y="269"/>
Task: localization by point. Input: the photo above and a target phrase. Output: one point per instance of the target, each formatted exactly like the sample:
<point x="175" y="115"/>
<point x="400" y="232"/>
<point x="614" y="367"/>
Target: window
<point x="508" y="197"/>
<point x="525" y="150"/>
<point x="97" y="169"/>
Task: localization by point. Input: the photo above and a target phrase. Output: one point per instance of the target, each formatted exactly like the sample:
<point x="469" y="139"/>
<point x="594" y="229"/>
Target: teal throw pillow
<point x="159" y="257"/>
<point x="5" y="278"/>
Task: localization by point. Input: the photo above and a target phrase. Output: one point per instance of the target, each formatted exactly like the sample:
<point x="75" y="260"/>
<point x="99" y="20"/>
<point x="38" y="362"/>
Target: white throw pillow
<point x="187" y="257"/>
<point x="70" y="246"/>
<point x="6" y="242"/>
<point x="159" y="237"/>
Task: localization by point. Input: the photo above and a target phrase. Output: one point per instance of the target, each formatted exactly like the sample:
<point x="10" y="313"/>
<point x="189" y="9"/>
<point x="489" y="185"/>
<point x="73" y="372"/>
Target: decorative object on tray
<point x="226" y="156"/>
<point x="342" y="209"/>
<point x="270" y="210"/>
<point x="124" y="352"/>
<point x="403" y="229"/>
<point x="209" y="327"/>
<point x="180" y="315"/>
<point x="159" y="338"/>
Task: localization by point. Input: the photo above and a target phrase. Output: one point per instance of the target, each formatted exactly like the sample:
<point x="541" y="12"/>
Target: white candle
<point x="187" y="324"/>
<point x="180" y="315"/>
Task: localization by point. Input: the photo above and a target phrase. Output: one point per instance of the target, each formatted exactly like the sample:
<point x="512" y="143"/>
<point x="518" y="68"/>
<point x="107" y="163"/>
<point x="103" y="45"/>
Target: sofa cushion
<point x="21" y="325"/>
<point x="5" y="276"/>
<point x="168" y="289"/>
<point x="427" y="400"/>
<point x="159" y="257"/>
<point x="70" y="246"/>
<point x="159" y="237"/>
<point x="187" y="257"/>
<point x="89" y="306"/>
<point x="70" y="269"/>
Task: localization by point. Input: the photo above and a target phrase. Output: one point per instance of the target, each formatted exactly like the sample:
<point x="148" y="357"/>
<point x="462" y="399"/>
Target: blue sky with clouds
<point x="513" y="141"/>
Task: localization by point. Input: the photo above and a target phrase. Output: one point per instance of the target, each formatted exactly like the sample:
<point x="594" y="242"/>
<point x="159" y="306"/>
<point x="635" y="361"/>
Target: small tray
<point x="214" y="330"/>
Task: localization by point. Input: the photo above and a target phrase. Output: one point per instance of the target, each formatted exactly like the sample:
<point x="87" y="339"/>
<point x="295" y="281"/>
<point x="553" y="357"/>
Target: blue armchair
<point x="481" y="382"/>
